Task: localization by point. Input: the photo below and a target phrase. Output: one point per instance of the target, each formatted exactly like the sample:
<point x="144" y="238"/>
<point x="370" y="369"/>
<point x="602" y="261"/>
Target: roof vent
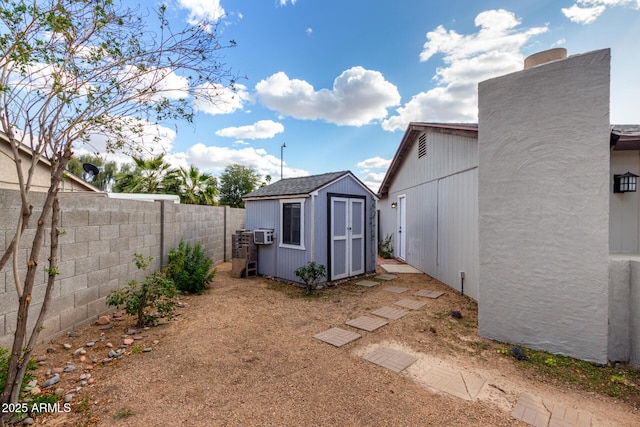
<point x="544" y="57"/>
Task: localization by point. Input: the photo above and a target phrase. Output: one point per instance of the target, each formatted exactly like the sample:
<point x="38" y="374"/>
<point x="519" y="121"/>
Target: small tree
<point x="235" y="182"/>
<point x="311" y="274"/>
<point x="72" y="69"/>
<point x="156" y="292"/>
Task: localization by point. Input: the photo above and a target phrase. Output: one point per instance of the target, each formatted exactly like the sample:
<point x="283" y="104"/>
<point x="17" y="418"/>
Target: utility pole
<point x="282" y="147"/>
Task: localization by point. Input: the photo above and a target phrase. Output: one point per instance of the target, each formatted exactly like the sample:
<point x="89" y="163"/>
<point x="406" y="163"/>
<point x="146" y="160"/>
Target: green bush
<point x="157" y="291"/>
<point x="190" y="268"/>
<point x="385" y="247"/>
<point x="310" y="274"/>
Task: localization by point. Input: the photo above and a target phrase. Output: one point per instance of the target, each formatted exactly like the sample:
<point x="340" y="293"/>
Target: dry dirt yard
<point x="243" y="354"/>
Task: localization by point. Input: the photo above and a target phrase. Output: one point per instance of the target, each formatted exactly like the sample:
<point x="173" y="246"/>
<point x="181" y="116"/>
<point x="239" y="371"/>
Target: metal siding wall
<point x="442" y="209"/>
<point x="624" y="208"/>
<point x="265" y="214"/>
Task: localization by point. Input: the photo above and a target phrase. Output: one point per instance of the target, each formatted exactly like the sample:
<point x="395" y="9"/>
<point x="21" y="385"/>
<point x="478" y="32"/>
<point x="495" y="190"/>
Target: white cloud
<point x="284" y="2"/>
<point x="358" y="97"/>
<point x="583" y="15"/>
<point x="214" y="159"/>
<point x="374" y="163"/>
<point x="494" y="50"/>
<point x="202" y="10"/>
<point x="588" y="11"/>
<point x="373" y="180"/>
<point x="217" y="99"/>
<point x="263" y="129"/>
<point x="309" y="31"/>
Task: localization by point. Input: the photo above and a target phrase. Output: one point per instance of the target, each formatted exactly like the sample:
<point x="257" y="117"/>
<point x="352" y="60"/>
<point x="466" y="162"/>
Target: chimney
<point x="544" y="57"/>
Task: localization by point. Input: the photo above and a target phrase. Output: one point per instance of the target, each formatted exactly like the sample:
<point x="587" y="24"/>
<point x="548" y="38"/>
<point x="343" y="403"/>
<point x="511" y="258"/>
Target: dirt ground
<point x="243" y="354"/>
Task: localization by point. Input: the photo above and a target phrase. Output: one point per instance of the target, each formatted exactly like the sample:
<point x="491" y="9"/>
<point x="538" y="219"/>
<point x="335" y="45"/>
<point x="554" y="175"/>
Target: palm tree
<point x="153" y="176"/>
<point x="195" y="187"/>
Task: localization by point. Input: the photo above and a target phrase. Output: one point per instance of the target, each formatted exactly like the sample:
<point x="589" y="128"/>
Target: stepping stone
<point x="411" y="304"/>
<point x="463" y="386"/>
<point x="367" y="283"/>
<point x="367" y="323"/>
<point x="395" y="360"/>
<point x="386" y="276"/>
<point x="390" y="313"/>
<point x="337" y="337"/>
<point x="531" y="411"/>
<point x="564" y="417"/>
<point x="429" y="294"/>
<point x="395" y="289"/>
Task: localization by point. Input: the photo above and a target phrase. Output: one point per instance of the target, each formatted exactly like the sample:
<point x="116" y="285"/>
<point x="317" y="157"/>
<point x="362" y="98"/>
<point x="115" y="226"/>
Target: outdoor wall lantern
<point x="625" y="183"/>
<point x="394" y="205"/>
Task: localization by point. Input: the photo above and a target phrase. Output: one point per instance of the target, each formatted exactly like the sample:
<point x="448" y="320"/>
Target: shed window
<point x="422" y="145"/>
<point x="292" y="234"/>
<point x="291" y="223"/>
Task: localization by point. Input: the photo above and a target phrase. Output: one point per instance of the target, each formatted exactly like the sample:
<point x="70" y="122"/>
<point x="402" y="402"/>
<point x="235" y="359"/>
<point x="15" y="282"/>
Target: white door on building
<point x="402" y="225"/>
<point x="347" y="237"/>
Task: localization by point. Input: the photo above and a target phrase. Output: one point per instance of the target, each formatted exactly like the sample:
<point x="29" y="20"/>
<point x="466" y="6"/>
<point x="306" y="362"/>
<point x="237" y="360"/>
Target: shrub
<point x="157" y="291"/>
<point x="310" y="274"/>
<point x="385" y="247"/>
<point x="189" y="268"/>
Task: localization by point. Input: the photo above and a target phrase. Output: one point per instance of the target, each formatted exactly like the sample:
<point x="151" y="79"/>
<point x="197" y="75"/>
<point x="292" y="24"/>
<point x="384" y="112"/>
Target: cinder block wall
<point x="100" y="237"/>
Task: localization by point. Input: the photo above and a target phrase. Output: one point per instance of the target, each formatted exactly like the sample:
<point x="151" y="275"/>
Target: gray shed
<point x="328" y="218"/>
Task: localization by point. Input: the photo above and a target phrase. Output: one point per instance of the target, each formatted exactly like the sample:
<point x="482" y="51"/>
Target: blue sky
<point x="338" y="81"/>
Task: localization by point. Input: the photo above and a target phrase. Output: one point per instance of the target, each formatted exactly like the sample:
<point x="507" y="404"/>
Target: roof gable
<point x="413" y="131"/>
<point x="300" y="186"/>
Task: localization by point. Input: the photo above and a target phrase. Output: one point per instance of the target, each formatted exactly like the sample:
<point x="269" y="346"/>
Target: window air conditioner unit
<point x="263" y="236"/>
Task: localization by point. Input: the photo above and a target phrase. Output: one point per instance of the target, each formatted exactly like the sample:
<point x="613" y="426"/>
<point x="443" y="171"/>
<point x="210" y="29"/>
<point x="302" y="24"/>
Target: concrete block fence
<point x="100" y="237"/>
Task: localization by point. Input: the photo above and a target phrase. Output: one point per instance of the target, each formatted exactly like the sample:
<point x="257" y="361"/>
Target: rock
<point x="78" y="351"/>
<point x="112" y="353"/>
<point x="156" y="342"/>
<point x="35" y="391"/>
<point x="89" y="367"/>
<point x="128" y="341"/>
<point x="41" y="358"/>
<point x="51" y="350"/>
<point x="91" y="343"/>
<point x="109" y="345"/>
<point x="72" y="334"/>
<point x="32" y="383"/>
<point x="91" y="381"/>
<point x="57" y="371"/>
<point x="133" y="331"/>
<point x="138" y="337"/>
<point x="83" y="358"/>
<point x="83" y="383"/>
<point x="27" y="421"/>
<point x="51" y="381"/>
<point x="67" y="346"/>
<point x="147" y="350"/>
<point x="69" y="368"/>
<point x="103" y="320"/>
<point x="105" y="327"/>
<point x="68" y="397"/>
<point x="59" y="391"/>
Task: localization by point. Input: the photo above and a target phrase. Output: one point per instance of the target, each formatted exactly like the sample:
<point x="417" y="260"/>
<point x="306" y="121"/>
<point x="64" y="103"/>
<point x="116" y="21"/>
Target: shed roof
<point x="299" y="186"/>
<point x="413" y="130"/>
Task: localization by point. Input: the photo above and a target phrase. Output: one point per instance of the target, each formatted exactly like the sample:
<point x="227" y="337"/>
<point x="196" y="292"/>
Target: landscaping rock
<point x="103" y="320"/>
<point x="69" y="368"/>
<point x="91" y="343"/>
<point x="128" y="341"/>
<point x="147" y="350"/>
<point x="35" y="391"/>
<point x="67" y="346"/>
<point x="28" y="421"/>
<point x="51" y="381"/>
<point x="68" y="397"/>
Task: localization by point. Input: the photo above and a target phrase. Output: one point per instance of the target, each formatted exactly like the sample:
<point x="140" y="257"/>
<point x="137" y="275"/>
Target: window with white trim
<point x="292" y="223"/>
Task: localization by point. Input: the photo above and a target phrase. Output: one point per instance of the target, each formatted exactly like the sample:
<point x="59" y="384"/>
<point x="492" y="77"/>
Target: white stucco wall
<point x="543" y="192"/>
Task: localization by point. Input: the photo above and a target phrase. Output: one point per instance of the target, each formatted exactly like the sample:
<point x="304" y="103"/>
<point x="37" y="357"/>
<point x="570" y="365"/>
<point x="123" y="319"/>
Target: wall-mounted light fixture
<point x="625" y="183"/>
<point x="394" y="205"/>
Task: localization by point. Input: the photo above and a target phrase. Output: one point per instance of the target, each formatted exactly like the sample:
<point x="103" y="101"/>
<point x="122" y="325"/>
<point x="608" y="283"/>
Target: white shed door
<point x="347" y="237"/>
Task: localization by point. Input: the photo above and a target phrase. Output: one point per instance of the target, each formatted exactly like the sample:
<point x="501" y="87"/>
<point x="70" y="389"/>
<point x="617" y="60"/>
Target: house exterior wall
<point x="281" y="262"/>
<point x="441" y="210"/>
<point x="96" y="251"/>
<point x="624" y="216"/>
<point x="41" y="178"/>
<point x="543" y="192"/>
